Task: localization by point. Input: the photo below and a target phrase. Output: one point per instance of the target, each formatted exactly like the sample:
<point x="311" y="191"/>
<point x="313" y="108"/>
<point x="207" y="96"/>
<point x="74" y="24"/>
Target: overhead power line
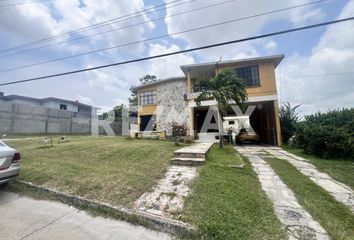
<point x="97" y="25"/>
<point x="127" y="26"/>
<point x="182" y="51"/>
<point x="153" y="38"/>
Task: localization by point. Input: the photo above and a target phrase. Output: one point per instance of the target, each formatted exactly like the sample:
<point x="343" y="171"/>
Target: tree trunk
<point x="221" y="136"/>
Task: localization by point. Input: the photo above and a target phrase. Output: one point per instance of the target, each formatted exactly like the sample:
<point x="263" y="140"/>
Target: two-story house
<point x="50" y="102"/>
<point x="173" y="99"/>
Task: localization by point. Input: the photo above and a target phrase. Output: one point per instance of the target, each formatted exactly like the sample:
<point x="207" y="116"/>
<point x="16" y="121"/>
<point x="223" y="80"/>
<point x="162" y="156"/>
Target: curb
<point x="151" y="221"/>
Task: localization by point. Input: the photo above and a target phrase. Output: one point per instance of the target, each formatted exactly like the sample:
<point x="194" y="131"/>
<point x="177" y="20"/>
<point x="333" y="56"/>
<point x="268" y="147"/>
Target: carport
<point x="263" y="121"/>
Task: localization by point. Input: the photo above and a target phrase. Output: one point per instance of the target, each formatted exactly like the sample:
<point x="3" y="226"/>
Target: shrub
<point x="178" y="130"/>
<point x="288" y="120"/>
<point x="327" y="135"/>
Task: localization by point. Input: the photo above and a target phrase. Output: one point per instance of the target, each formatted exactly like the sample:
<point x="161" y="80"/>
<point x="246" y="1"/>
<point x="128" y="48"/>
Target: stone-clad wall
<point x="171" y="105"/>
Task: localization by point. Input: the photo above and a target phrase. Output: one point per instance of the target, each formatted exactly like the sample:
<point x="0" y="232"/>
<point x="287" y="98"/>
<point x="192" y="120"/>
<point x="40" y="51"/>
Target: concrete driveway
<point x="25" y="218"/>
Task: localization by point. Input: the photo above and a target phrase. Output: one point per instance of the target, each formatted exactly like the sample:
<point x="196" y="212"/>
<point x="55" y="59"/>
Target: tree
<point x="118" y="113"/>
<point x="104" y="115"/>
<point x="133" y="99"/>
<point x="288" y="120"/>
<point x="225" y="87"/>
<point x="148" y="79"/>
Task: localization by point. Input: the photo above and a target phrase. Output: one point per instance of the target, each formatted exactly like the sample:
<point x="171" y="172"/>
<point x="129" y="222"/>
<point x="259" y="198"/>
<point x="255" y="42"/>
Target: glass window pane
<point x="250" y="74"/>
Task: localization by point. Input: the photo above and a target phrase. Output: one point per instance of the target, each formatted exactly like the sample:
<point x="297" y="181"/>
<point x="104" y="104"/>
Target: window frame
<point x="147" y="97"/>
<point x="63" y="106"/>
<point x="250" y="74"/>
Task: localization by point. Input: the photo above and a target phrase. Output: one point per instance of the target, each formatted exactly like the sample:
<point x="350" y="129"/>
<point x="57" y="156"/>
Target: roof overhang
<point x="210" y="66"/>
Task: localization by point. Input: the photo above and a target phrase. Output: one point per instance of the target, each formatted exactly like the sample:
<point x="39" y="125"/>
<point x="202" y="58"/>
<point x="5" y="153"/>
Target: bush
<point x="178" y="130"/>
<point x="288" y="120"/>
<point x="327" y="135"/>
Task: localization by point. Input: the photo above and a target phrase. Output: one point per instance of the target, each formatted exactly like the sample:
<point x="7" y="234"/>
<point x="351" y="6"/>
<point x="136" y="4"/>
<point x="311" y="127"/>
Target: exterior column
<point x="189" y="82"/>
<point x="138" y="111"/>
<point x="277" y="122"/>
<point x="190" y="109"/>
<point x="191" y="122"/>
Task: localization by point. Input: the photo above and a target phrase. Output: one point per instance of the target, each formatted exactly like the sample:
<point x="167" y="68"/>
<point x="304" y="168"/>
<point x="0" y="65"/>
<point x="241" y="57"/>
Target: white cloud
<point x="86" y="100"/>
<point x="20" y="21"/>
<point x="66" y="15"/>
<point x="104" y="81"/>
<point x="305" y="15"/>
<point x="167" y="66"/>
<point x="271" y="45"/>
<point x="235" y="30"/>
<point x="333" y="54"/>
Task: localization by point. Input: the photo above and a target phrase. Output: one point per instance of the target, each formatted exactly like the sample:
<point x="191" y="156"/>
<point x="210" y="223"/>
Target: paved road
<point x="25" y="218"/>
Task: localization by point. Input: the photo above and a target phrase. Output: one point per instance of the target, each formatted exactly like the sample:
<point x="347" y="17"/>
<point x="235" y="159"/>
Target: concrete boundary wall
<point x="21" y="118"/>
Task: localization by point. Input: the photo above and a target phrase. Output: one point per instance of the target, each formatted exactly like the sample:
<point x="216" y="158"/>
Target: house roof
<point x="41" y="100"/>
<point x="170" y="79"/>
<point x="276" y="59"/>
<point x="204" y="67"/>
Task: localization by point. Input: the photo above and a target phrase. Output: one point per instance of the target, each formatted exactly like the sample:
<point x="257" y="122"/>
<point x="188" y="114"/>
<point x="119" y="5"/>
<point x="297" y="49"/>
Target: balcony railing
<point x="199" y="88"/>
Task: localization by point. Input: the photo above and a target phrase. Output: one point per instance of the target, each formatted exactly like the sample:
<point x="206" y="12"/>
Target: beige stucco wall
<point x="267" y="79"/>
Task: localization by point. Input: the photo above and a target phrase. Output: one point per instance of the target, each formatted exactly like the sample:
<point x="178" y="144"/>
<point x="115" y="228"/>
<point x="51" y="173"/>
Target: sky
<point x="317" y="71"/>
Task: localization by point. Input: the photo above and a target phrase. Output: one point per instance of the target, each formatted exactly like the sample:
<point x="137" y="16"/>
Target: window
<point x="63" y="107"/>
<point x="231" y="122"/>
<point x="148" y="97"/>
<point x="250" y="74"/>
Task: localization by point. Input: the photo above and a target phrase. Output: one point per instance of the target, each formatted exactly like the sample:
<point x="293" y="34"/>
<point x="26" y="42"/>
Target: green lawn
<point x="228" y="203"/>
<point x="341" y="170"/>
<point x="335" y="217"/>
<point x="110" y="169"/>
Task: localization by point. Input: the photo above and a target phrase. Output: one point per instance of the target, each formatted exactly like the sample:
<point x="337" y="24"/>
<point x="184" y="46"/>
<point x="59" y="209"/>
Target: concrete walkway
<point x="25" y="218"/>
<point x="297" y="221"/>
<point x="341" y="192"/>
<point x="192" y="155"/>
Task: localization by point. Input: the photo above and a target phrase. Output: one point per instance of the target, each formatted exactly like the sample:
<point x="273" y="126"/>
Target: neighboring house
<point x="50" y="102"/>
<point x="172" y="99"/>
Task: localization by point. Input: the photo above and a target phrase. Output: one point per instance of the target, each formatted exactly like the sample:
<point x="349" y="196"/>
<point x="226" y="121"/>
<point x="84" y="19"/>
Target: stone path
<point x="169" y="194"/>
<point x="339" y="191"/>
<point x="297" y="221"/>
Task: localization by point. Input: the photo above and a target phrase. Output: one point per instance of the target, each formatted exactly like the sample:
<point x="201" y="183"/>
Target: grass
<point x="342" y="170"/>
<point x="109" y="169"/>
<point x="335" y="217"/>
<point x="228" y="203"/>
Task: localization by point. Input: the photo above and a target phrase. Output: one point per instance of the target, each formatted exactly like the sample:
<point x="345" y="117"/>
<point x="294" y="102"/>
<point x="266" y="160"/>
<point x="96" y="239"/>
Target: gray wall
<point x="171" y="105"/>
<point x="55" y="104"/>
<point x="21" y="118"/>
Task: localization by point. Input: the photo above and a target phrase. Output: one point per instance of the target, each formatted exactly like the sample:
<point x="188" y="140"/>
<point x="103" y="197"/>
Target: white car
<point x="9" y="164"/>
